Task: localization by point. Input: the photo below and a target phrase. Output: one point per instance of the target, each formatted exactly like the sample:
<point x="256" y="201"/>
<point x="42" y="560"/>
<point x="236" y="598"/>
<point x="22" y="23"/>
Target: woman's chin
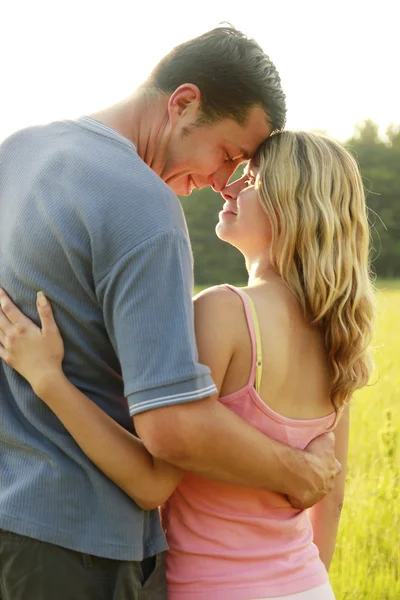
<point x="226" y="234"/>
<point x="220" y="230"/>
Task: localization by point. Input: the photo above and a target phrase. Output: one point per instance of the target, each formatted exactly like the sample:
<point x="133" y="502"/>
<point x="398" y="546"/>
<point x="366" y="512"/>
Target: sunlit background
<point x="338" y="60"/>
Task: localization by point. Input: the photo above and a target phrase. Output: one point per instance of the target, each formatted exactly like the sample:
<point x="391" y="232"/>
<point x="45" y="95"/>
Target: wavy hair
<point x="311" y="189"/>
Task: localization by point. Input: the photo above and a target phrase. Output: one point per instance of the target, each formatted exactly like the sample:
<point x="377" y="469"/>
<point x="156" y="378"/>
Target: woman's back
<point x="296" y="380"/>
<point x="239" y="543"/>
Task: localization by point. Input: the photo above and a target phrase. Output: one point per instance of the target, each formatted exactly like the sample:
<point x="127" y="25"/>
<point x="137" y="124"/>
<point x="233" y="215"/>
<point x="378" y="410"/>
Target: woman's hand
<point x="36" y="354"/>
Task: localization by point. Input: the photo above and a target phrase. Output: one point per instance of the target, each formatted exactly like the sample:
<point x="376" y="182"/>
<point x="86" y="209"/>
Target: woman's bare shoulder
<point x="217" y="296"/>
<point x="219" y="309"/>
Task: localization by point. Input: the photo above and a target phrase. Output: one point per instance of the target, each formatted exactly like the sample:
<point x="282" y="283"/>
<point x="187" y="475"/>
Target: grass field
<point x="367" y="559"/>
<point x="366" y="565"/>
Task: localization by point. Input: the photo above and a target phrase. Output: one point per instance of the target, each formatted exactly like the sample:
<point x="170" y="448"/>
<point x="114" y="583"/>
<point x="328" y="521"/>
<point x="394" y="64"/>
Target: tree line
<point x="379" y="162"/>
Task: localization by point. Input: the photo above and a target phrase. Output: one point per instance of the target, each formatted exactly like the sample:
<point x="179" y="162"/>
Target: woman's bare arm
<point x="116" y="452"/>
<point x="325" y="515"/>
<point x="37" y="355"/>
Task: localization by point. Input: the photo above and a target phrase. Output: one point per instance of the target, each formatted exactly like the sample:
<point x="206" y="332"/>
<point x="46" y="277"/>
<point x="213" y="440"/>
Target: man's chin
<point x="184" y="193"/>
<point x="181" y="188"/>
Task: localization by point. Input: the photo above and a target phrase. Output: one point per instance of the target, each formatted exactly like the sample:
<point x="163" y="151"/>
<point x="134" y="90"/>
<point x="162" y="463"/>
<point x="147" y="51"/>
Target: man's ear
<point x="184" y="104"/>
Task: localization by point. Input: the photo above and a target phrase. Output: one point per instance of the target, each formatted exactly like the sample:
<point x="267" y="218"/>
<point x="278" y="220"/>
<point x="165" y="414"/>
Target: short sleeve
<point x="148" y="312"/>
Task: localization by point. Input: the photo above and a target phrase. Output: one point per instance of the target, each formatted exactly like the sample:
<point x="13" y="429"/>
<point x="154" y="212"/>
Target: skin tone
<point x="205" y="156"/>
<point x="243" y="224"/>
<point x="293" y="351"/>
<point x="208" y="156"/>
<point x="184" y="435"/>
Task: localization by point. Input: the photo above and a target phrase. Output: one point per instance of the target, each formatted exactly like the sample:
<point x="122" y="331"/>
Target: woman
<point x="286" y="354"/>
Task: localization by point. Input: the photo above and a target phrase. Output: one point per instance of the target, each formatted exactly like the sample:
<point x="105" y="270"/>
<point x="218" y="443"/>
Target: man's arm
<point x="210" y="440"/>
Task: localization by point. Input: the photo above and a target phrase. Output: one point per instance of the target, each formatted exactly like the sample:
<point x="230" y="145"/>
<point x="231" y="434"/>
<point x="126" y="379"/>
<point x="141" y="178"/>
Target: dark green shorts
<point x="34" y="570"/>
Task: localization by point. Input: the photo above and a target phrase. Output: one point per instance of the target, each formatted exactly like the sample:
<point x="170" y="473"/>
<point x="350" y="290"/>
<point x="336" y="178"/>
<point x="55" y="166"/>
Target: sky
<point x="338" y="61"/>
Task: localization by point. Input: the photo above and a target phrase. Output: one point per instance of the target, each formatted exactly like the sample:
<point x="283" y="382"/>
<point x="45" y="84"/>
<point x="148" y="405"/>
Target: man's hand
<point x="320" y="472"/>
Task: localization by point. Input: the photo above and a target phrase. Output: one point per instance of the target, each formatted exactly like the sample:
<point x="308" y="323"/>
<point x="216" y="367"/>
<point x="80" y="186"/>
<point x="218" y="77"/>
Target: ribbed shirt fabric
<point x="84" y="219"/>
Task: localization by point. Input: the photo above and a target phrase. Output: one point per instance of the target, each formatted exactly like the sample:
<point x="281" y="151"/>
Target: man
<point x="86" y="215"/>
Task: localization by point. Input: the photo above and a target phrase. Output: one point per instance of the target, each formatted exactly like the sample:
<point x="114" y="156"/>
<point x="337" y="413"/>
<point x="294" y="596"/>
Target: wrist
<point x="298" y="472"/>
<point x="311" y="473"/>
<point x="48" y="383"/>
<point x="302" y="483"/>
<point x="310" y="485"/>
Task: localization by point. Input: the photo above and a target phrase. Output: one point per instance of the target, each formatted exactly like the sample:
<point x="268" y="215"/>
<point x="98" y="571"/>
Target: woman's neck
<point x="260" y="269"/>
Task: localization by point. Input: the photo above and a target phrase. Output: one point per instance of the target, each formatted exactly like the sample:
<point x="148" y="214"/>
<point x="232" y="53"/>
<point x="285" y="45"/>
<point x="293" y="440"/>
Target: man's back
<point x="65" y="190"/>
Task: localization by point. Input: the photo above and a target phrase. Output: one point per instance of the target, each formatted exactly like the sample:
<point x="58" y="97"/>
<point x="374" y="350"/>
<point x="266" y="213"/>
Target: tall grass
<point x="367" y="559"/>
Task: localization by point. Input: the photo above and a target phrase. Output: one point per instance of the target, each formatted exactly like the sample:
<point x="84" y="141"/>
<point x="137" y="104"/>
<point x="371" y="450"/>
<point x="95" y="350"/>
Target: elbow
<point x="176" y="449"/>
<point x="148" y="498"/>
<point x="171" y="435"/>
<point x="148" y="503"/>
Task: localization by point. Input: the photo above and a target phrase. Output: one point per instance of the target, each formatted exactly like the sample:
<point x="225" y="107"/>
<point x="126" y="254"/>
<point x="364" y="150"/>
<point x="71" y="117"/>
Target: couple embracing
<point x="151" y="446"/>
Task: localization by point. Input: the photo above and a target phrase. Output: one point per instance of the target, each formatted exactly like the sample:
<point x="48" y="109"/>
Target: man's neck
<point x="142" y="118"/>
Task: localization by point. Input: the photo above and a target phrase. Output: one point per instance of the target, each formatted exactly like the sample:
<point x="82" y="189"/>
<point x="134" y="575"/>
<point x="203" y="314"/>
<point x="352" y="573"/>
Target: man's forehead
<point x="256" y="131"/>
<point x="244" y="154"/>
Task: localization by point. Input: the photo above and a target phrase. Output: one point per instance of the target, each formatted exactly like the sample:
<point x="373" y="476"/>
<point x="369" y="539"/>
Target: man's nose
<point x="232" y="190"/>
<point x="228" y="192"/>
<point x="218" y="182"/>
<point x="220" y="178"/>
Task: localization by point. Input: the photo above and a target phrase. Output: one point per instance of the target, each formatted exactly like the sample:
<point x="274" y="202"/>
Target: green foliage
<point x="216" y="262"/>
<point x="380" y="167"/>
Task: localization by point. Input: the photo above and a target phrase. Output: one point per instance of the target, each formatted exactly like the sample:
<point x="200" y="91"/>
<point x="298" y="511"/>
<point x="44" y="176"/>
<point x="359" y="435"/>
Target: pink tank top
<point x="237" y="543"/>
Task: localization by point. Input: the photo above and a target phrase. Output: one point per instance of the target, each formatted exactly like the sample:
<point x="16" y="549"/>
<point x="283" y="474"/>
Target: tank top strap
<point x="254" y="330"/>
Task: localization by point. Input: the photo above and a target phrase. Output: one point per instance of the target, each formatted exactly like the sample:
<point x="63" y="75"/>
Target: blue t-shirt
<point x="84" y="219"/>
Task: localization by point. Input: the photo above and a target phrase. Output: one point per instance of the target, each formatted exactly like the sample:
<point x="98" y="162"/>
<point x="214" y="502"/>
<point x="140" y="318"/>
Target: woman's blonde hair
<point x="311" y="189"/>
